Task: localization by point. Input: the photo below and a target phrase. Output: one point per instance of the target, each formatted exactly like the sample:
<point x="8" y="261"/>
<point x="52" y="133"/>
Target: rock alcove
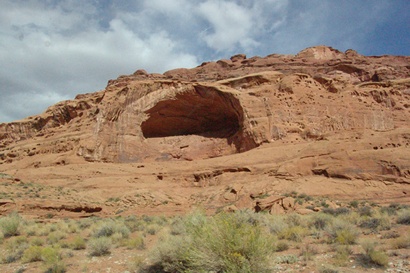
<point x="199" y="119"/>
<point x="202" y="111"/>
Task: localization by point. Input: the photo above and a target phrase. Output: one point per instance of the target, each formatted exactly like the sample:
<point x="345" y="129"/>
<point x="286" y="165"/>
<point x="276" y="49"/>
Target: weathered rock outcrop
<point x="320" y="113"/>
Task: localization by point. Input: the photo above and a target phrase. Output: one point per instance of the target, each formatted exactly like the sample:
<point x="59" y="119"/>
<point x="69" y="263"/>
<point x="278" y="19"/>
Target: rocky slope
<point x="216" y="134"/>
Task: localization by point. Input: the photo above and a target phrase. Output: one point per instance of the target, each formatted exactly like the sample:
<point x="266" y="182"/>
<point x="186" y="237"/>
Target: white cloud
<point x="230" y="24"/>
<point x="52" y="54"/>
<point x="51" y="50"/>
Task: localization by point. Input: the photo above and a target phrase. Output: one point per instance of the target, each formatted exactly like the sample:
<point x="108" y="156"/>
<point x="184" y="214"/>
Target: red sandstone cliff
<point x="329" y="113"/>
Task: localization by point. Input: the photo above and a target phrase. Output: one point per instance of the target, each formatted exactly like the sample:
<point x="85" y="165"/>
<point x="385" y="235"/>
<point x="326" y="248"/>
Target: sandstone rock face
<point x="320" y="113"/>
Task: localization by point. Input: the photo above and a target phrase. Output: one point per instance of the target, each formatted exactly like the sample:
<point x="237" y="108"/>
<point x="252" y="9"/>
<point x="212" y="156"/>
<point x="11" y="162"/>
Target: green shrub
<point x="85" y="223"/>
<point x="78" y="243"/>
<point x="401" y="242"/>
<point x="374" y="256"/>
<point x="320" y="221"/>
<point x="287" y="259"/>
<point x="403" y="217"/>
<point x="252" y="217"/>
<point x="9" y="225"/>
<point x="15" y="248"/>
<point x="134" y="224"/>
<point x="32" y="254"/>
<point x="136" y="243"/>
<point x="294" y="219"/>
<point x="136" y="263"/>
<point x="365" y="211"/>
<point x="105" y="229"/>
<point x="281" y="246"/>
<point x="305" y="197"/>
<point x="328" y="269"/>
<point x="177" y="226"/>
<point x="56" y="236"/>
<point x="277" y="225"/>
<point x="122" y="229"/>
<point x="99" y="246"/>
<point x="52" y="260"/>
<point x="379" y="258"/>
<point x="307" y="252"/>
<point x="336" y="211"/>
<point x="294" y="233"/>
<point x="152" y="229"/>
<point x="354" y="204"/>
<point x="390" y="235"/>
<point x="342" y="255"/>
<point x="380" y="222"/>
<point x="342" y="232"/>
<point x="37" y="241"/>
<point x="110" y="227"/>
<point x="222" y="243"/>
<point x="391" y="209"/>
<point x="147" y="218"/>
<point x="31" y="230"/>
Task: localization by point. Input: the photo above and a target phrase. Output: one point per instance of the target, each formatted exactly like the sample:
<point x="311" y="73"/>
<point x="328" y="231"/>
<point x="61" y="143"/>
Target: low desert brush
<point x="32" y="254"/>
<point x="401" y="242"/>
<point x="376" y="223"/>
<point x="109" y="227"/>
<point x="52" y="260"/>
<point x="135" y="243"/>
<point x="281" y="246"/>
<point x="328" y="269"/>
<point x="320" y="221"/>
<point x="287" y="259"/>
<point x="222" y="243"/>
<point x="342" y="232"/>
<point x="77" y="243"/>
<point x="277" y="225"/>
<point x="403" y="217"/>
<point x="342" y="255"/>
<point x="372" y="255"/>
<point x="10" y="224"/>
<point x="293" y="233"/>
<point x="15" y="248"/>
<point x="307" y="252"/>
<point x="99" y="246"/>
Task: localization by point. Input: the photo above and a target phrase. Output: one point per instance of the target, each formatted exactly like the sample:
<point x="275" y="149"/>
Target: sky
<point x="52" y="50"/>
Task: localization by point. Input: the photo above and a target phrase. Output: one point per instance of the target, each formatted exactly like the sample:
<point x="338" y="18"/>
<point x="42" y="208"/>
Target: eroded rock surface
<point x="318" y="114"/>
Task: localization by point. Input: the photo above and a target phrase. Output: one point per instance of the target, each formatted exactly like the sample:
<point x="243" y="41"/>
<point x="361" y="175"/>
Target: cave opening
<point x="201" y="111"/>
